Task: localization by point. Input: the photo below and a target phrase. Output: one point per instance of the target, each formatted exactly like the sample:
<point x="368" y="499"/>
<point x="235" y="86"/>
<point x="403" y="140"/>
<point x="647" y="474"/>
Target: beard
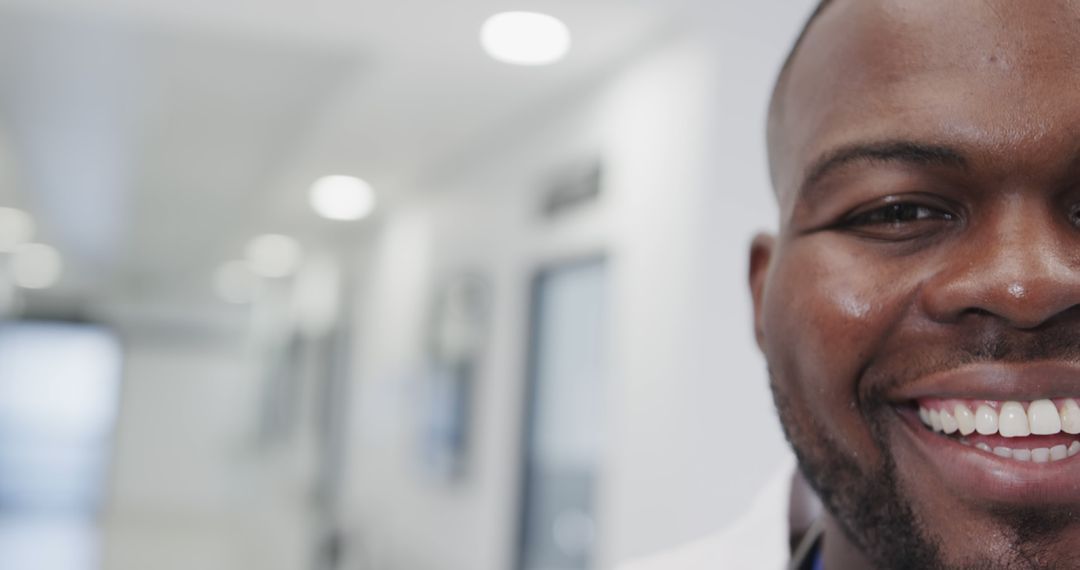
<point x="880" y="518"/>
<point x="869" y="506"/>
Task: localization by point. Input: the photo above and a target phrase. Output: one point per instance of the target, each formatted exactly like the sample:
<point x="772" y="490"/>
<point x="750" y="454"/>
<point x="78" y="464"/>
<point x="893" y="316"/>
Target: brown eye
<point x="899" y="221"/>
<point x="899" y="213"/>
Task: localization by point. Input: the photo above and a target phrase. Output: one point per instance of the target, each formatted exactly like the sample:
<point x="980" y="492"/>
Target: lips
<point x="1004" y="433"/>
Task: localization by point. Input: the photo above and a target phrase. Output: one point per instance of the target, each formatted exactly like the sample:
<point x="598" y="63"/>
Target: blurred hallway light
<point x="273" y="255"/>
<point x="235" y="283"/>
<point x="344" y="198"/>
<point x="16" y="228"/>
<point x="525" y="38"/>
<point x="35" y="266"/>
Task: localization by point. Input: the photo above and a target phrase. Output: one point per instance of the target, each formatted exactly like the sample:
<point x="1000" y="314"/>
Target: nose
<point x="1021" y="266"/>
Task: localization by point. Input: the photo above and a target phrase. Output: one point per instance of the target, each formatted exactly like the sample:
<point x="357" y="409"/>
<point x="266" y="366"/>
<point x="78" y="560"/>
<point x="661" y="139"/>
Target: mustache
<point x="1055" y="344"/>
<point x="992" y="344"/>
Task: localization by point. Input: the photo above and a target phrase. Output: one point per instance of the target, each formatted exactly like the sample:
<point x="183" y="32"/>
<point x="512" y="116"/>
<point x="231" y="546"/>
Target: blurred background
<point x="408" y="285"/>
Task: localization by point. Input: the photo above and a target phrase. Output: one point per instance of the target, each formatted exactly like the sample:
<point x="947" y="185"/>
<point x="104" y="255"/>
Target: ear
<point x="761" y="252"/>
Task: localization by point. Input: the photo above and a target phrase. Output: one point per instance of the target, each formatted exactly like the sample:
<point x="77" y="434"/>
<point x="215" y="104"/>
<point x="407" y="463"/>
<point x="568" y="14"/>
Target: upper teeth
<point x="1009" y="419"/>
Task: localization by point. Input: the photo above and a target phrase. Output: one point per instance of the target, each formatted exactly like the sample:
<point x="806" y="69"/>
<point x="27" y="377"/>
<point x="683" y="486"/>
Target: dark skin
<point x="926" y="160"/>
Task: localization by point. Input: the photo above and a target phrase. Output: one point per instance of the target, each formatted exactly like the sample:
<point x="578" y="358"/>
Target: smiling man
<point x="919" y="309"/>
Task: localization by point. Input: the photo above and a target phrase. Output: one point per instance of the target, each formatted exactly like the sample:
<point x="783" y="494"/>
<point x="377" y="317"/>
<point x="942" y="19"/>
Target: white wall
<point x="188" y="487"/>
<point x="693" y="431"/>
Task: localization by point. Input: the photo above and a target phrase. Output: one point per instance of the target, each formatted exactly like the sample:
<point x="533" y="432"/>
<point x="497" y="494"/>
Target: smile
<point x="1002" y="433"/>
<point x="1039" y="431"/>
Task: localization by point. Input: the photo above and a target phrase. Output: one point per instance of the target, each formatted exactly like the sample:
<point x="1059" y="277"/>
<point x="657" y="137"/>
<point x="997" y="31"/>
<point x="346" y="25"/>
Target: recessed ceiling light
<point x="273" y="255"/>
<point x="235" y="282"/>
<point x="342" y="198"/>
<point x="525" y="38"/>
<point x="16" y="227"/>
<point x="35" y="266"/>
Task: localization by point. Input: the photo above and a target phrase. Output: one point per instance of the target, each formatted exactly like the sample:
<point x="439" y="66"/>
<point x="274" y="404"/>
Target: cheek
<point x="826" y="311"/>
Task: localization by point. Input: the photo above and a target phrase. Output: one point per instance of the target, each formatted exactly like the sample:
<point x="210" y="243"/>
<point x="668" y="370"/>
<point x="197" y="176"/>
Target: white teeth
<point x="948" y="422"/>
<point x="986" y="420"/>
<point x="1070" y="417"/>
<point x="1012" y="421"/>
<point x="965" y="420"/>
<point x="1037" y="455"/>
<point x="935" y="420"/>
<point x="1043" y="418"/>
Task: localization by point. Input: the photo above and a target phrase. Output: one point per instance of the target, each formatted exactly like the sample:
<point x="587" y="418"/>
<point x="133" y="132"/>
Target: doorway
<point x="565" y="419"/>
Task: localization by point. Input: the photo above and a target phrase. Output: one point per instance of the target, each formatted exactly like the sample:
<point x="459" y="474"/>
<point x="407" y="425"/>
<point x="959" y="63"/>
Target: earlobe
<point x="761" y="252"/>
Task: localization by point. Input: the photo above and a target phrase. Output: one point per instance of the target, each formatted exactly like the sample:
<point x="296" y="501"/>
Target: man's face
<point x="926" y="156"/>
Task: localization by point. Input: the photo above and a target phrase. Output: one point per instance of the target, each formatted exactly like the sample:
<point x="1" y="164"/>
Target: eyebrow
<point x="909" y="152"/>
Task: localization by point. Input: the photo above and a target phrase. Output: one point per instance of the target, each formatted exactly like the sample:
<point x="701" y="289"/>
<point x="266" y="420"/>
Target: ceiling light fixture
<point x="235" y="282"/>
<point x="343" y="198"/>
<point x="525" y="38"/>
<point x="16" y="228"/>
<point x="35" y="266"/>
<point x="273" y="255"/>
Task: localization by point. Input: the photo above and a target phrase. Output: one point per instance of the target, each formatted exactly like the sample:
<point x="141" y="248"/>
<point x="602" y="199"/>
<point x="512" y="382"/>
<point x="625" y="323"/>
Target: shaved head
<point x="781" y="80"/>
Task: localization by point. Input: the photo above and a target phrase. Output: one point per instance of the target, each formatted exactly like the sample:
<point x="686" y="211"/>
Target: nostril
<point x="1074" y="214"/>
<point x="1019" y="322"/>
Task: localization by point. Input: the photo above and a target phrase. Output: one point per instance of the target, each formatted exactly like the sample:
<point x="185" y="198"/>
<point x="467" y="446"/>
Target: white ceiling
<point x="151" y="138"/>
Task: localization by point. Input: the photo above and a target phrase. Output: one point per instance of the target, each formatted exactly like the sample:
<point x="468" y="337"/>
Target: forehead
<point x="984" y="75"/>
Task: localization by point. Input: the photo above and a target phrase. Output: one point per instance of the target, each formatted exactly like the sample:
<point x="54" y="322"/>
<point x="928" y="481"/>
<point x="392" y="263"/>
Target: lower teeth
<point x="1037" y="455"/>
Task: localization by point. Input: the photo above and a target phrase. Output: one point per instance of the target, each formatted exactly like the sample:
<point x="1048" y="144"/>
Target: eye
<point x="899" y="213"/>
<point x="898" y="221"/>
